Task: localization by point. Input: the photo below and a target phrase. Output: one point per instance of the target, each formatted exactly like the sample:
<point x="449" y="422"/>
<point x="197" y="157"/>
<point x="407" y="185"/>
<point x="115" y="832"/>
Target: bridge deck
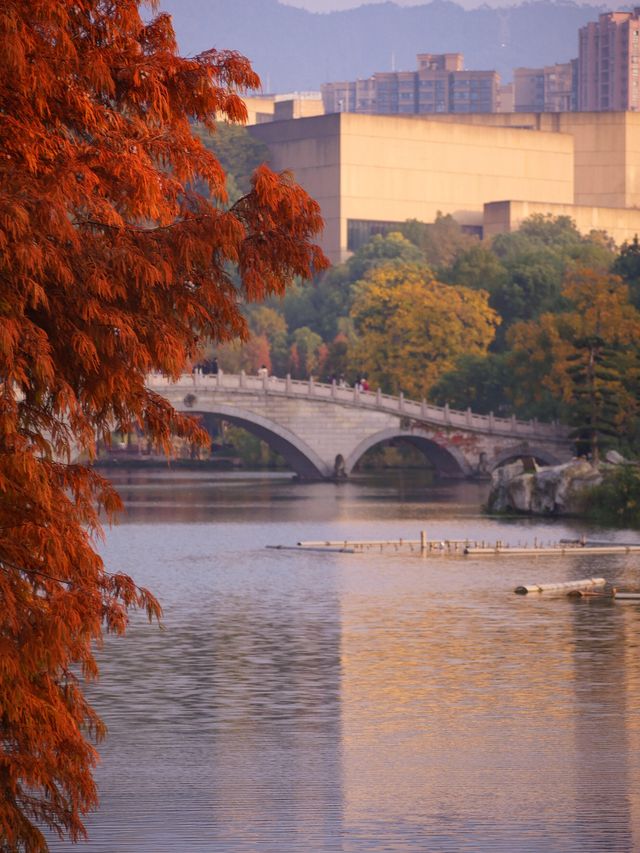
<point x="373" y="400"/>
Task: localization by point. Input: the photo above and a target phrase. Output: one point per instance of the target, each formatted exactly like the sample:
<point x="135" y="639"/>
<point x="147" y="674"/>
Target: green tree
<point x="383" y="249"/>
<point x="597" y="393"/>
<point x="325" y="303"/>
<point x="533" y="282"/>
<point x="480" y="382"/>
<point x="441" y="241"/>
<point x="604" y="365"/>
<point x="479" y="268"/>
<point x="617" y="499"/>
<point x="238" y="152"/>
<point x="536" y="258"/>
<point x="627" y="266"/>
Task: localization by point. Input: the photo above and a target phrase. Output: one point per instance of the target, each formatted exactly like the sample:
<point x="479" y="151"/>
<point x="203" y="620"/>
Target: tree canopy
<point x="585" y="359"/>
<point x="627" y="266"/>
<point x="112" y="265"/>
<point x="322" y="305"/>
<point x="411" y="328"/>
<point x="441" y="241"/>
<point x="523" y="270"/>
<point x="238" y="153"/>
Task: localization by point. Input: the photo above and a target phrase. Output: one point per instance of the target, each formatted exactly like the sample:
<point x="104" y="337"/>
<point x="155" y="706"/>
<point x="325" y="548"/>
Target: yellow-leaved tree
<point x="587" y="358"/>
<point x="111" y="265"/>
<point x="411" y="328"/>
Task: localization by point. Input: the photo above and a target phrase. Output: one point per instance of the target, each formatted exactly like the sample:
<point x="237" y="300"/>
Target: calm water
<point x="378" y="702"/>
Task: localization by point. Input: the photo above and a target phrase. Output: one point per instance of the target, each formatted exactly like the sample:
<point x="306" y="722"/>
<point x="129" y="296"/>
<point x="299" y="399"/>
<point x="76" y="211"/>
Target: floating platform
<point x="341" y="550"/>
<point x="551" y="550"/>
<point x="422" y="545"/>
<point x="611" y="594"/>
<point x="469" y="547"/>
<point x="566" y="586"/>
<point x="435" y="547"/>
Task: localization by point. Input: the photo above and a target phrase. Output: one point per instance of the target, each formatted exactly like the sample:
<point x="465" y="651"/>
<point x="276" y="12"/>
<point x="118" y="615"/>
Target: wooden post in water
<point x="423" y="542"/>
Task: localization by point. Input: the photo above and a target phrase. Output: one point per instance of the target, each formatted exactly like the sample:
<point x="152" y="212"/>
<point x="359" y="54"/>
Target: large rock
<point x="554" y="490"/>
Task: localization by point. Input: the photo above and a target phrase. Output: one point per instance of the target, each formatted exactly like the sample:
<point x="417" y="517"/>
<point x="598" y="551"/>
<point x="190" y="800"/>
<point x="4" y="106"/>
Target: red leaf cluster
<point x="111" y="266"/>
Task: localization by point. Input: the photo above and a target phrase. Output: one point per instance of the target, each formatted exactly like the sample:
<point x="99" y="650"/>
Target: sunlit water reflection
<point x="349" y="702"/>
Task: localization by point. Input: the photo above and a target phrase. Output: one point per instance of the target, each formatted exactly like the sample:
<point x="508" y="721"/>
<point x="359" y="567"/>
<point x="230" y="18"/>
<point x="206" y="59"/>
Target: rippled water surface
<point x="360" y="702"/>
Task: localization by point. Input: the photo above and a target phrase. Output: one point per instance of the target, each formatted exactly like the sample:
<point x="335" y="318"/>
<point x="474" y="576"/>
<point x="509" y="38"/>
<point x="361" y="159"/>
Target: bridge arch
<point x="510" y="454"/>
<point x="448" y="461"/>
<point x="302" y="459"/>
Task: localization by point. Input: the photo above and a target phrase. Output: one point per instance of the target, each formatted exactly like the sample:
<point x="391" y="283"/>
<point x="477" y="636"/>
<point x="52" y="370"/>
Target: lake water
<point x="360" y="702"/>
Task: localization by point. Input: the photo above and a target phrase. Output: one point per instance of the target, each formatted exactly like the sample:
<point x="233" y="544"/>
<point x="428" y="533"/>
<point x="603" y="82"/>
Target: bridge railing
<point x="411" y="409"/>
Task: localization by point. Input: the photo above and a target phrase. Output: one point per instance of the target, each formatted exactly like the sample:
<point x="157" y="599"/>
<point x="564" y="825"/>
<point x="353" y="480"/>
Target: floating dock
<point x="470" y="547"/>
<point x="566" y="586"/>
<point x="555" y="549"/>
<point x="466" y="547"/>
<point x="337" y="549"/>
<point x="422" y="545"/>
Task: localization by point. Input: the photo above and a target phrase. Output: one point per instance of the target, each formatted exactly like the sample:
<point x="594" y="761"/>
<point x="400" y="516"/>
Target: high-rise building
<point x="440" y="62"/>
<point x="439" y="85"/>
<point x="551" y="89"/>
<point x="505" y="102"/>
<point x="528" y="90"/>
<point x="609" y="62"/>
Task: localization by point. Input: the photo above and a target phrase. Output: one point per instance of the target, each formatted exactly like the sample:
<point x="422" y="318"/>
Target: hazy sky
<point x="335" y="5"/>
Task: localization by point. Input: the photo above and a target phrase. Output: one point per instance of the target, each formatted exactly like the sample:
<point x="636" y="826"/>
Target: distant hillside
<point x="293" y="49"/>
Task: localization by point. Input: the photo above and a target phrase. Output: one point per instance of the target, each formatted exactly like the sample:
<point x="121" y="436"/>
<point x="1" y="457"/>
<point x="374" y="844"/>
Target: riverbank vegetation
<point x="616" y="501"/>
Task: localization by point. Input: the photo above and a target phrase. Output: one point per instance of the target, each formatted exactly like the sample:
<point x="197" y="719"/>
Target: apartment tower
<point x="439" y="85"/>
<point x="608" y="62"/>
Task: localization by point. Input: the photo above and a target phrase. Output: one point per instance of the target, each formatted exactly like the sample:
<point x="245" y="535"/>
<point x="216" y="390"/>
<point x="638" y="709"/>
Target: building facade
<point x="371" y="173"/>
<point x="609" y="62"/>
<point x="606" y="152"/>
<point x="439" y="85"/>
<point x="552" y="89"/>
<point x="489" y="171"/>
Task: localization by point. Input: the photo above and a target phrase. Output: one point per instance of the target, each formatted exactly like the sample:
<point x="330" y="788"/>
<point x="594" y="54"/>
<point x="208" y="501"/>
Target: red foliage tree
<point x="111" y="266"/>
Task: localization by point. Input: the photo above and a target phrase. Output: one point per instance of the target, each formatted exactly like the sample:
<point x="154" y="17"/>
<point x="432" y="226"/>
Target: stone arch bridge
<point x="323" y="430"/>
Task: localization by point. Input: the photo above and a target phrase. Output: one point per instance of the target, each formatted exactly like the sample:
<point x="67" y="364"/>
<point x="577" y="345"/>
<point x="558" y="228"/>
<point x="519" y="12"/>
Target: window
<point x="360" y="231"/>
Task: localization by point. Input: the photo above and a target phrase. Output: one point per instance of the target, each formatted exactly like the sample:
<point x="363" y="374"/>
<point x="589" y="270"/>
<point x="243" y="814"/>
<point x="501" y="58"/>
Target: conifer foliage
<point x="111" y="266"/>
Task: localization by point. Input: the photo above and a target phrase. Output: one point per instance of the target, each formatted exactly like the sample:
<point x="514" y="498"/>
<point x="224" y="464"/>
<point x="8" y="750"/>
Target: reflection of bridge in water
<point x="323" y="430"/>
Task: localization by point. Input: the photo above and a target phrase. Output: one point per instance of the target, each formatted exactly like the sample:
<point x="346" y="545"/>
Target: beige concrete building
<point x="502" y="216"/>
<point x="260" y="108"/>
<point x="606" y="150"/>
<point x="265" y="108"/>
<point x="370" y="173"/>
<point x="298" y="105"/>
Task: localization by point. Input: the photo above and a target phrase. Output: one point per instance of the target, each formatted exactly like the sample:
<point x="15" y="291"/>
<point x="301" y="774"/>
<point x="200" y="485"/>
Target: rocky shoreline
<point x="552" y="490"/>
